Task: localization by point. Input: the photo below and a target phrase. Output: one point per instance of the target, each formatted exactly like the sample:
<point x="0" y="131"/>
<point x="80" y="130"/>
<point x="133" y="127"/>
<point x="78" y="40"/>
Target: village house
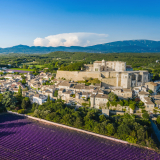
<point x="142" y="95"/>
<point x="153" y="86"/>
<point x="99" y="100"/>
<point x="156" y="100"/>
<point x="9" y="76"/>
<point x="66" y="95"/>
<point x="47" y="93"/>
<point x="149" y="105"/>
<point x="123" y="93"/>
<point x="60" y="92"/>
<point x="39" y="99"/>
<point x="65" y="85"/>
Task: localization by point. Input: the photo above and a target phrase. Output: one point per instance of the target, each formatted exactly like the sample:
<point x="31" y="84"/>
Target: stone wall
<point x="108" y="82"/>
<point x="111" y="78"/>
<point x="119" y="108"/>
<point x="77" y="75"/>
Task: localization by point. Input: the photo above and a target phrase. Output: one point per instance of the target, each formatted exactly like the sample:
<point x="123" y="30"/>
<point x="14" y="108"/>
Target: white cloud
<point x="72" y="39"/>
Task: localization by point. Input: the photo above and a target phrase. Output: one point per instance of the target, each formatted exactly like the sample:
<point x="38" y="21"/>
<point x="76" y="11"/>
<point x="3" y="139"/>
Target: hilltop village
<point x="105" y="85"/>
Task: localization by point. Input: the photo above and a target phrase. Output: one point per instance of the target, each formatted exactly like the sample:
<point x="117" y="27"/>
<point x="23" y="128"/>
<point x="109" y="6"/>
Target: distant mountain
<point x="140" y="46"/>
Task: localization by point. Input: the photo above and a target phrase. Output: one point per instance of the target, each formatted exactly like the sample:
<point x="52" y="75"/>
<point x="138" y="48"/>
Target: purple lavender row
<point x="20" y="71"/>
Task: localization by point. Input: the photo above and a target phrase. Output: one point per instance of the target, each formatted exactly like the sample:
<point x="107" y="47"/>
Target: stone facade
<point x="123" y="93"/>
<point x="99" y="100"/>
<point x="110" y="73"/>
<point x="106" y="66"/>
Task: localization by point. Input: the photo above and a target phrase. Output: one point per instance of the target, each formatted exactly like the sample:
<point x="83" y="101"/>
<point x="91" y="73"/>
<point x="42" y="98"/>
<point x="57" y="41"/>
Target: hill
<point x="133" y="46"/>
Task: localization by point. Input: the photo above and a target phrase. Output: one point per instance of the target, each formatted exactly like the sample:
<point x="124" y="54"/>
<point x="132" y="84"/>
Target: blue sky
<point x="77" y="22"/>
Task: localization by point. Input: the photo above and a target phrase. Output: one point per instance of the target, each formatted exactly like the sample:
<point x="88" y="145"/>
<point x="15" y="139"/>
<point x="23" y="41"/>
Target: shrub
<point x="56" y="93"/>
<point x="131" y="139"/>
<point x="21" y="111"/>
<point x="158" y="120"/>
<point x="145" y="115"/>
<point x="143" y="111"/>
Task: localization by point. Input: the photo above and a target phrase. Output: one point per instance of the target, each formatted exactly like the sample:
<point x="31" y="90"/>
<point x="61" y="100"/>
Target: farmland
<point x="37" y="66"/>
<point x="21" y="69"/>
<point x="23" y="138"/>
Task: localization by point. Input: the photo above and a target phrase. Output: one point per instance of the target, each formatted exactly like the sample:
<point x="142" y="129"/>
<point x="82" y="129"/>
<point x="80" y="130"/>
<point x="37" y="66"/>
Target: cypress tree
<point x="20" y="91"/>
<point x="48" y="99"/>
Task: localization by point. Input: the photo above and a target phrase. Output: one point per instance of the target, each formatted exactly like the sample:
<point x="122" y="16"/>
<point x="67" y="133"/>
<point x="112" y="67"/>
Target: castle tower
<point x="29" y="76"/>
<point x="103" y="62"/>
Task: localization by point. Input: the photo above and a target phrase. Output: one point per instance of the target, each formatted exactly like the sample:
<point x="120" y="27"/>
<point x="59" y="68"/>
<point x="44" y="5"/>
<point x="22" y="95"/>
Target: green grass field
<point x="37" y="66"/>
<point x="30" y="64"/>
<point x="21" y="69"/>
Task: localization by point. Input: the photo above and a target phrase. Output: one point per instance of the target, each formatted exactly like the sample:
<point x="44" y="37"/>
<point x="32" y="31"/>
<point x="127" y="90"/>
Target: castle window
<point x="96" y="69"/>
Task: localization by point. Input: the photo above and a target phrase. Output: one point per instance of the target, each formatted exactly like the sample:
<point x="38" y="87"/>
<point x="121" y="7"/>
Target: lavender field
<point x="22" y="138"/>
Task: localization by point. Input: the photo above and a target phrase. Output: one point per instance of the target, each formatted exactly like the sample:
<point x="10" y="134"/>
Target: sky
<point x="77" y="22"/>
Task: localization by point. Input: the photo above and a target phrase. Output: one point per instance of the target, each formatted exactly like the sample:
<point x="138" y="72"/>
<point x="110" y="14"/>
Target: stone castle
<point x="110" y="73"/>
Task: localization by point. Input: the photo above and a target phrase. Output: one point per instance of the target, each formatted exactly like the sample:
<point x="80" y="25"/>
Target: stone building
<point x="110" y="73"/>
<point x="39" y="99"/>
<point x="123" y="93"/>
<point x="99" y="100"/>
<point x="103" y="65"/>
<point x="153" y="86"/>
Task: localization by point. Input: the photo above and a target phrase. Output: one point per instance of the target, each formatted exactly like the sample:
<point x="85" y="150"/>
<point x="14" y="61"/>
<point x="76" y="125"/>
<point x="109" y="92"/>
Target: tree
<point x="150" y="91"/>
<point x="27" y="101"/>
<point x="102" y="118"/>
<point x="126" y="103"/>
<point x="140" y="104"/>
<point x="108" y="104"/>
<point x="132" y="106"/>
<point x="9" y="100"/>
<point x="141" y="133"/>
<point x="131" y="139"/>
<point x="1" y="97"/>
<point x="23" y="77"/>
<point x="23" y="105"/>
<point x="110" y="129"/>
<point x="112" y="96"/>
<point x="121" y="102"/>
<point x="97" y="128"/>
<point x="56" y="64"/>
<point x="158" y="119"/>
<point x="123" y="131"/>
<point x="89" y="125"/>
<point x="56" y="93"/>
<point x="145" y="115"/>
<point x="48" y="99"/>
<point x="25" y="66"/>
<point x="52" y="78"/>
<point x="23" y="81"/>
<point x="2" y="108"/>
<point x="20" y="92"/>
<point x="78" y="123"/>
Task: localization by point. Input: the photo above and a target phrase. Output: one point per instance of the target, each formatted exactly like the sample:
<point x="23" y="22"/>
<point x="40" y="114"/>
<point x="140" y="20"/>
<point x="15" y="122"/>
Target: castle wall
<point x="116" y="79"/>
<point x="77" y="75"/>
<point x="106" y="82"/>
